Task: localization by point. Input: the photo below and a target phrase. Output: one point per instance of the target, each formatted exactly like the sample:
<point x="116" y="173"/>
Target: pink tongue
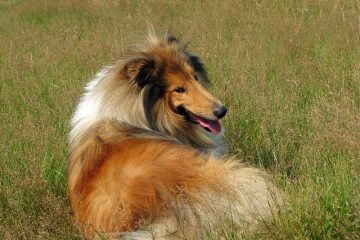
<point x="213" y="125"/>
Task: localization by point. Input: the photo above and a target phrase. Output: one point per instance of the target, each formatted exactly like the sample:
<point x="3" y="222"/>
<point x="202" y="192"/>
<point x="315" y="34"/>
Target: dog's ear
<point x="141" y="71"/>
<point x="147" y="75"/>
<point x="199" y="69"/>
<point x="172" y="39"/>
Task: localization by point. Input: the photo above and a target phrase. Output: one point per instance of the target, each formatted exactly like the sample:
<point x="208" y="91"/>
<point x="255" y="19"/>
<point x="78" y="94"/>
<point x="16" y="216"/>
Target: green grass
<point x="288" y="70"/>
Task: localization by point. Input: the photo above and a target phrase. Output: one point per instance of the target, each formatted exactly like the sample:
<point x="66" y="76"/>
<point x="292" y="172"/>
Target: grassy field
<point x="288" y="70"/>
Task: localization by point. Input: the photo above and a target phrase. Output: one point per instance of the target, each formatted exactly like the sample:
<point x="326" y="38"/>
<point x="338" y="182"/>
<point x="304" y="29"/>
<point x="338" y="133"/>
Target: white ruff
<point x="87" y="111"/>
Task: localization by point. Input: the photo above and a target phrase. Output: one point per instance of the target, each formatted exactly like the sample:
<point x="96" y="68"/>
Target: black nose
<point x="220" y="112"/>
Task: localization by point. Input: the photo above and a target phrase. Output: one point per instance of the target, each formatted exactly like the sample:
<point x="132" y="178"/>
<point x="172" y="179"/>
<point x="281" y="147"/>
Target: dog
<point x="145" y="153"/>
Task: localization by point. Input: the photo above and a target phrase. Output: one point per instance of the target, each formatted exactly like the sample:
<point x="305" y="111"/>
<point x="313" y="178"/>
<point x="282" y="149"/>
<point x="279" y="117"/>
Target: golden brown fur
<point x="138" y="161"/>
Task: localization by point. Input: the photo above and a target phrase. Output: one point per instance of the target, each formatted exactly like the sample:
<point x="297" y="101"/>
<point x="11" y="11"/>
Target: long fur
<point x="139" y="170"/>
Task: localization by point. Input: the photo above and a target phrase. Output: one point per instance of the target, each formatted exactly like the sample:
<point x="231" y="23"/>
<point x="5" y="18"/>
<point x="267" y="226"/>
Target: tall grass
<point x="288" y="70"/>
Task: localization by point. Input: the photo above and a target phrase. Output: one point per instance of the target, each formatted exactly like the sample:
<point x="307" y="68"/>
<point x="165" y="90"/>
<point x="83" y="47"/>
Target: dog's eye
<point x="196" y="78"/>
<point x="180" y="90"/>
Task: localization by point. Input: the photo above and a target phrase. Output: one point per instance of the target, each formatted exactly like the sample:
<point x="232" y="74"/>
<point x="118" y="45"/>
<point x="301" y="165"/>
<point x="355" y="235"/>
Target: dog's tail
<point x="241" y="198"/>
<point x="192" y="194"/>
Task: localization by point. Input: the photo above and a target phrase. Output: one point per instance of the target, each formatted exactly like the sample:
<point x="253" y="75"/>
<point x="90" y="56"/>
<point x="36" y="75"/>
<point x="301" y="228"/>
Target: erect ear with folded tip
<point x="141" y="71"/>
<point x="172" y="39"/>
<point x="199" y="69"/>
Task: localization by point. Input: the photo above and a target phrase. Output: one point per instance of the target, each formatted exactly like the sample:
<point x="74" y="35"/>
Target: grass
<point x="288" y="70"/>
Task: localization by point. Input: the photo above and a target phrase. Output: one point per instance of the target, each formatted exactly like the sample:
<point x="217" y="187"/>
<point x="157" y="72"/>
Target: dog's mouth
<point x="212" y="126"/>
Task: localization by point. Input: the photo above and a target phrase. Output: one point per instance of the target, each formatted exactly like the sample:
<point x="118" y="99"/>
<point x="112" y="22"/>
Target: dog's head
<point x="173" y="82"/>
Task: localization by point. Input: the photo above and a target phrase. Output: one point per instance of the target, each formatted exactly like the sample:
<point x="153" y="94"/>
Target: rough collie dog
<point x="144" y="156"/>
